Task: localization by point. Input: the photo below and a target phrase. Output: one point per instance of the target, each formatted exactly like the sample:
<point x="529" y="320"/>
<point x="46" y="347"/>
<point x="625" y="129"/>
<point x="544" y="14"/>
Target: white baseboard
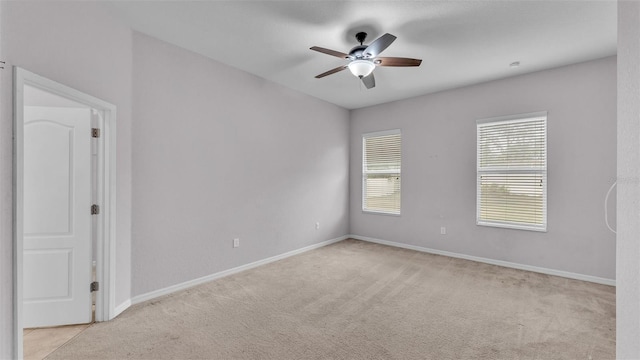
<point x="565" y="274"/>
<point x="191" y="283"/>
<point x="120" y="308"/>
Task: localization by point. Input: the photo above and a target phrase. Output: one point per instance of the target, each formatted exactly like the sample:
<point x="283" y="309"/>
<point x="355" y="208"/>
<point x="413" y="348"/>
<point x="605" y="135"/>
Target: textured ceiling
<point x="460" y="42"/>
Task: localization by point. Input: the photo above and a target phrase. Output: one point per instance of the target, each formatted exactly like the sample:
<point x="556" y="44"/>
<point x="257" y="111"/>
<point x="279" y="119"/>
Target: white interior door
<point x="57" y="260"/>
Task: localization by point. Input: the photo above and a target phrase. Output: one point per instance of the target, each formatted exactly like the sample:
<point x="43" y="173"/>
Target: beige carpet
<point x="357" y="300"/>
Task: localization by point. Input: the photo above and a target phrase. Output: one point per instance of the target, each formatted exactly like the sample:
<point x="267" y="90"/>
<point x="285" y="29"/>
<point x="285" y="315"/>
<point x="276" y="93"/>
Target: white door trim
<point x="106" y="195"/>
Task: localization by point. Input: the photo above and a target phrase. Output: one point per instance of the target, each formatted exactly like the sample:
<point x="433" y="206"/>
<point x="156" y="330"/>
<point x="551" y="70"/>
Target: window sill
<point x="511" y="226"/>
<point x="373" y="212"/>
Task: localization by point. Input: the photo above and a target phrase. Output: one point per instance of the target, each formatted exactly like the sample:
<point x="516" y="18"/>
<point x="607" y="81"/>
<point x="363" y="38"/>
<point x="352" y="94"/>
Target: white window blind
<point x="512" y="172"/>
<point x="381" y="158"/>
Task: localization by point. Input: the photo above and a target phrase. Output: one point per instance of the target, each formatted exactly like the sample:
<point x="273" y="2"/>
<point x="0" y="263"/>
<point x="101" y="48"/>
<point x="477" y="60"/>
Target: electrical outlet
<point x="443" y="230"/>
<point x="317" y="225"/>
<point x="236" y="242"/>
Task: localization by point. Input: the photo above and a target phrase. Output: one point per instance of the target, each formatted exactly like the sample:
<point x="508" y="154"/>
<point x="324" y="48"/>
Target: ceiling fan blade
<point x="378" y="45"/>
<point x="397" y="61"/>
<point x="369" y="81"/>
<point x="330" y="52"/>
<point x="332" y="71"/>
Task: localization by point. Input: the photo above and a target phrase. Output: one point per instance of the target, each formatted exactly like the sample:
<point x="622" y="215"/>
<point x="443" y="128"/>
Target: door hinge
<point x="95" y="209"/>
<point x="95" y="132"/>
<point x="95" y="286"/>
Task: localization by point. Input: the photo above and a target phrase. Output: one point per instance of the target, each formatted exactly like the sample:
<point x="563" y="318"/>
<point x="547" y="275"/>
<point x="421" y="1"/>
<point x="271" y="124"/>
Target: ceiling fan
<point x="364" y="58"/>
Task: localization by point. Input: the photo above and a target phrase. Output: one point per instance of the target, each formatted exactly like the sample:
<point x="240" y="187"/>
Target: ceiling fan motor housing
<point x="357" y="52"/>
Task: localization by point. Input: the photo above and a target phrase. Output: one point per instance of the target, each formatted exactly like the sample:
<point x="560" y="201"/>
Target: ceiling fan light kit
<point x="363" y="59"/>
<point x="361" y="68"/>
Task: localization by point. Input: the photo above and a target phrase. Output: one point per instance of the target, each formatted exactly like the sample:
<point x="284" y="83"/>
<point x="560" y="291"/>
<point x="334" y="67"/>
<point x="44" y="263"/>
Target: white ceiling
<point x="460" y="42"/>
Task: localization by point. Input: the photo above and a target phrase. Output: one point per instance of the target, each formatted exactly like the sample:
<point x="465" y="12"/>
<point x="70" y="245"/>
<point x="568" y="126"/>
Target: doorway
<point x="64" y="205"/>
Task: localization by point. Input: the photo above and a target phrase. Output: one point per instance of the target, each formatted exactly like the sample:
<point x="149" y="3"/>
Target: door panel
<point x="55" y="282"/>
<point x="57" y="220"/>
<point x="48" y="183"/>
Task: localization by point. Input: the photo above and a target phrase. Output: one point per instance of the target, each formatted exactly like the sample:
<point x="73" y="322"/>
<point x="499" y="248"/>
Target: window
<point x="381" y="153"/>
<point x="512" y="172"/>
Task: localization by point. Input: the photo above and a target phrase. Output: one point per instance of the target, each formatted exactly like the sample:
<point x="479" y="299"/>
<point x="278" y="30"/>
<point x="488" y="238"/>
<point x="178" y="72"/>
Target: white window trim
<point x="365" y="172"/>
<point x="539" y="115"/>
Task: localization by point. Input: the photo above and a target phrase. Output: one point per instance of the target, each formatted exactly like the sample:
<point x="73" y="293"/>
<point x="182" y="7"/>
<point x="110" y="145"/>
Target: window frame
<point x="542" y="171"/>
<point x="365" y="172"/>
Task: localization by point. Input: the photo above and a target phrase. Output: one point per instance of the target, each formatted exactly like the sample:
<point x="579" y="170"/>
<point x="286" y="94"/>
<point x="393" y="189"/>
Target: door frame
<point x="106" y="196"/>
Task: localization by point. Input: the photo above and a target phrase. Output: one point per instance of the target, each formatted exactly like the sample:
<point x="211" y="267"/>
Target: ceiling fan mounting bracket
<point x="361" y="36"/>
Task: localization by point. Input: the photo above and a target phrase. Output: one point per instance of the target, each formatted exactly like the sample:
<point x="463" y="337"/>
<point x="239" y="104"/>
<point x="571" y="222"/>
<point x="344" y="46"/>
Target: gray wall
<point x="82" y="46"/>
<point x="439" y="168"/>
<point x="219" y="154"/>
<point x="6" y="242"/>
<point x="628" y="266"/>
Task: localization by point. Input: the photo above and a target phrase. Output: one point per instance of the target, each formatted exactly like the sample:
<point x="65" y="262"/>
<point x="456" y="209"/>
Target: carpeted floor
<point x="357" y="300"/>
